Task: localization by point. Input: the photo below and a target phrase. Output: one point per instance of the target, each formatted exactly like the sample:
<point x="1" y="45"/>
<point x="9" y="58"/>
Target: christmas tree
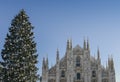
<point x="19" y="53"/>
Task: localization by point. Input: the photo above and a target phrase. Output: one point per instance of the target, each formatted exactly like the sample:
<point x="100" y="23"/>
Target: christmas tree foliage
<point x="19" y="53"/>
<point x="1" y="72"/>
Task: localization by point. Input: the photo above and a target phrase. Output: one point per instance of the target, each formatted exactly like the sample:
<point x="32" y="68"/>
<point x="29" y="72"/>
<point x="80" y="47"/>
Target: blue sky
<point x="55" y="21"/>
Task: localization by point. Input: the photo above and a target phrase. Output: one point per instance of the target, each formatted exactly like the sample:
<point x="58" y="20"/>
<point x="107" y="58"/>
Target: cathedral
<point x="78" y="65"/>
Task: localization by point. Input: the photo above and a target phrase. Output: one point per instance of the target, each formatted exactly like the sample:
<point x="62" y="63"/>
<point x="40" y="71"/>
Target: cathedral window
<point x="78" y="76"/>
<point x="78" y="61"/>
<point x="62" y="73"/>
<point x="93" y="74"/>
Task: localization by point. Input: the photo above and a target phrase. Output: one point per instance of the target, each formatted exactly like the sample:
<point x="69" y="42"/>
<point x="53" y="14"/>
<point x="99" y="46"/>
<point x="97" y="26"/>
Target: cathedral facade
<point x="78" y="65"/>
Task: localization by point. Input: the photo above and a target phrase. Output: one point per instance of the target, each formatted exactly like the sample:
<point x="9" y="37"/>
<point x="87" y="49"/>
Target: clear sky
<point x="57" y="20"/>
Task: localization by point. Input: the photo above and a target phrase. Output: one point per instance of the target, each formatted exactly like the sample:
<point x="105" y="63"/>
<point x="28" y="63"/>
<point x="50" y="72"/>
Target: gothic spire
<point x="106" y="65"/>
<point x="43" y="63"/>
<point x="112" y="63"/>
<point x="69" y="44"/>
<point x="98" y="54"/>
<point x="47" y="62"/>
<point x="88" y="47"/>
<point x="109" y="62"/>
<point x="84" y="45"/>
<point x="57" y="55"/>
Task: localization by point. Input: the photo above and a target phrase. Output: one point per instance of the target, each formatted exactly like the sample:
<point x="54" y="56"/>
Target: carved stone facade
<point x="78" y="66"/>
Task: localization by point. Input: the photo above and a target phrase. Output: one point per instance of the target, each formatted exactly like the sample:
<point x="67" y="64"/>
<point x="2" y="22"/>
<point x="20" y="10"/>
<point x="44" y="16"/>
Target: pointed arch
<point x="62" y="73"/>
<point x="78" y="61"/>
<point x="78" y="75"/>
<point x="93" y="73"/>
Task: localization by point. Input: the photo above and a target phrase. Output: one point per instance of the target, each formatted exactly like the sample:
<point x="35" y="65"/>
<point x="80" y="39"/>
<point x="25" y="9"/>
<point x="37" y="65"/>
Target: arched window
<point x="78" y="61"/>
<point x="93" y="74"/>
<point x="78" y="76"/>
<point x="62" y="73"/>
